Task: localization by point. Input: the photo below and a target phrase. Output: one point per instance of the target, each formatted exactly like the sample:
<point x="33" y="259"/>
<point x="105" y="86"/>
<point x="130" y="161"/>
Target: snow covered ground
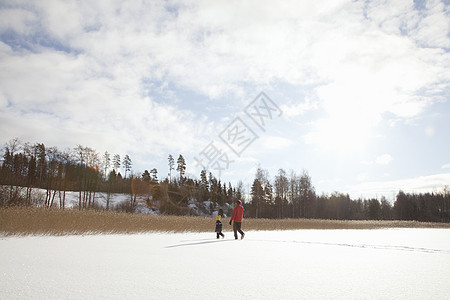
<point x="303" y="264"/>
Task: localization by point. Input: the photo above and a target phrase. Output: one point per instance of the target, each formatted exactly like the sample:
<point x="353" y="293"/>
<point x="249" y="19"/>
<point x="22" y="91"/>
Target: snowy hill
<point x="143" y="205"/>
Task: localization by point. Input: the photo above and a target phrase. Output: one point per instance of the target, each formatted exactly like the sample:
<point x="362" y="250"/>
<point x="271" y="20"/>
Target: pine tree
<point x="154" y="173"/>
<point x="116" y="162"/>
<point x="127" y="164"/>
<point x="204" y="186"/>
<point x="257" y="193"/>
<point x="230" y="193"/>
<point x="239" y="193"/>
<point x="171" y="164"/>
<point x="181" y="166"/>
<point x="146" y="176"/>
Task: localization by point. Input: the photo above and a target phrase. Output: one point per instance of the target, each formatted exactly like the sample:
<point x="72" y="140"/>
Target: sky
<point x="356" y="93"/>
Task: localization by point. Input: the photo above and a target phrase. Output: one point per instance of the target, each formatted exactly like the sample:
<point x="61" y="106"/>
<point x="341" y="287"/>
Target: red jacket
<point x="238" y="213"/>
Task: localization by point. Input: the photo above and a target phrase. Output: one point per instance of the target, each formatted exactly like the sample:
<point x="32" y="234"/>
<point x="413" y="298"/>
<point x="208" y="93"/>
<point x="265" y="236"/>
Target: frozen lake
<point x="337" y="264"/>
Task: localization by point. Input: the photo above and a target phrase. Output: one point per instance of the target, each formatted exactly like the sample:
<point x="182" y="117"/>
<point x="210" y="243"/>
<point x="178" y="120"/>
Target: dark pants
<point x="237" y="228"/>
<point x="220" y="234"/>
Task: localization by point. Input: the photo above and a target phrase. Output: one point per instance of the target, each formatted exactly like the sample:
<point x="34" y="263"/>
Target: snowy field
<point x="303" y="264"/>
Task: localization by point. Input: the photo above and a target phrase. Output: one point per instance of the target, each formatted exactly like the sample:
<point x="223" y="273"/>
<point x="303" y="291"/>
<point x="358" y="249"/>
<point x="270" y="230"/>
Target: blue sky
<point x="362" y="86"/>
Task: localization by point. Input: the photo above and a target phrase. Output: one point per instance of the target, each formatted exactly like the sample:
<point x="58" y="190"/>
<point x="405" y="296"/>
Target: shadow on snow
<point x="200" y="242"/>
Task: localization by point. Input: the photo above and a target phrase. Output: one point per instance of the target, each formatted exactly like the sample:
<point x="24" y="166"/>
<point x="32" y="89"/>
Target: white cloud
<point x="384" y="159"/>
<point x="446" y="166"/>
<point x="421" y="184"/>
<point x="275" y="142"/>
<point x="88" y="68"/>
<point x="19" y="20"/>
<point x="372" y="70"/>
<point x="298" y="109"/>
<point x="433" y="29"/>
<point x="213" y="47"/>
<point x="70" y="97"/>
<point x="390" y="16"/>
<point x="362" y="177"/>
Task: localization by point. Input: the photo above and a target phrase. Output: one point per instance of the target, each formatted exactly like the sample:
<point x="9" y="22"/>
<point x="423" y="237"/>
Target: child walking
<point x="219" y="227"/>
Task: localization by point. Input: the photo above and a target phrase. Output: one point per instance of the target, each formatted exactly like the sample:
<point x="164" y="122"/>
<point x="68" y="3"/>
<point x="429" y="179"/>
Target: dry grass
<point x="35" y="221"/>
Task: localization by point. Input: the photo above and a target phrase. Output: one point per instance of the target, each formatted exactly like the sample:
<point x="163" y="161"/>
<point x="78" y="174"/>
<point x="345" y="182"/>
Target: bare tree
<point x="52" y="171"/>
<point x="281" y="191"/>
<point x="294" y="194"/>
<point x="9" y="171"/>
<point x="13" y="145"/>
<point x="106" y="163"/>
<point x="307" y="195"/>
<point x="259" y="188"/>
<point x="79" y="154"/>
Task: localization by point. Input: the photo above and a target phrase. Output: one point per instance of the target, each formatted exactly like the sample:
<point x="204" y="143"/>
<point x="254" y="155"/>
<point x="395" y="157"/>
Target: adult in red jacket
<point x="238" y="215"/>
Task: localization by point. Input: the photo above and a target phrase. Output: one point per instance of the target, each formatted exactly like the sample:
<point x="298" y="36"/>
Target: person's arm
<point x="233" y="216"/>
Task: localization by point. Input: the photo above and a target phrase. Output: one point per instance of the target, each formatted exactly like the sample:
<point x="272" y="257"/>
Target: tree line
<point x="28" y="166"/>
<point x="294" y="196"/>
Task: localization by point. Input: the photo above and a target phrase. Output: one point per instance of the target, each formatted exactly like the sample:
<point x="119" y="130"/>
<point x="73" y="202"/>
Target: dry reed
<point x="39" y="221"/>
